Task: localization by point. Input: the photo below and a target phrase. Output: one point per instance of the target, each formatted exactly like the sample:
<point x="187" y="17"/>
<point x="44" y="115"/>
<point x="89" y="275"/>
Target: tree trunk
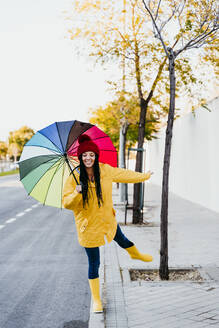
<point x="122" y="144"/>
<point x="164" y="270"/>
<point x="137" y="217"/>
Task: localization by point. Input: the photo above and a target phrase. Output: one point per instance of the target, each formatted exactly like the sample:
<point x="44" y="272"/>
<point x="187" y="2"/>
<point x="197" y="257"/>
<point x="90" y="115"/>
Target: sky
<point x="41" y="79"/>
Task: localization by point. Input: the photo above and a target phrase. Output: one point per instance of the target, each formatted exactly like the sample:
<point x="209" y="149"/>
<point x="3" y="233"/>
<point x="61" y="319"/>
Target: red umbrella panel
<point x="108" y="153"/>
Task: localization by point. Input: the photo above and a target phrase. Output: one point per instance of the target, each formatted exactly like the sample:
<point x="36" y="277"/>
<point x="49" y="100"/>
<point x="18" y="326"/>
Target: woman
<point x="91" y="202"/>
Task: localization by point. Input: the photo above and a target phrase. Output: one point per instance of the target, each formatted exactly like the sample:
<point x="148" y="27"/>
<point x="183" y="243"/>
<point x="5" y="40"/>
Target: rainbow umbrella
<point x="50" y="156"/>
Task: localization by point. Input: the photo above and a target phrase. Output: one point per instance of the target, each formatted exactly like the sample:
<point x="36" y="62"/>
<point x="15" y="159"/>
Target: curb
<point x="115" y="309"/>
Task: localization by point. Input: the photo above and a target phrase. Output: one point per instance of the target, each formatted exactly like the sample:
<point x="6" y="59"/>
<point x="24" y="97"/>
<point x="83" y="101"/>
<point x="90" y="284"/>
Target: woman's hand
<point x="79" y="188"/>
<point x="150" y="172"/>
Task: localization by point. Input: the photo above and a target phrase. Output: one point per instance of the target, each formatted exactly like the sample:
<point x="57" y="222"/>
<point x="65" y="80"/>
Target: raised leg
<point x="125" y="243"/>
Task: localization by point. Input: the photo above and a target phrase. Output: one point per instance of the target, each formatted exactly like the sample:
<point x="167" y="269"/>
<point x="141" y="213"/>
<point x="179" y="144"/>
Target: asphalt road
<point x="43" y="269"/>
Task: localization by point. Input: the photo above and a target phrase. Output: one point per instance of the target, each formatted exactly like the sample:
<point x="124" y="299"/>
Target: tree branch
<point x="171" y="16"/>
<point x="202" y="37"/>
<point x="157" y="29"/>
<point x="194" y="43"/>
<point x="179" y="21"/>
<point x="183" y="6"/>
<point x="158" y="7"/>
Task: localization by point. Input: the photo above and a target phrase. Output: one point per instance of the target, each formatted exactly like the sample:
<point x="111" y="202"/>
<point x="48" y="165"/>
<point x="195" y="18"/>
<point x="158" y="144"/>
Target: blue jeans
<point x="93" y="253"/>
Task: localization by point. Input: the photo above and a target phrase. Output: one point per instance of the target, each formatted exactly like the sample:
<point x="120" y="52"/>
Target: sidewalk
<point x="193" y="242"/>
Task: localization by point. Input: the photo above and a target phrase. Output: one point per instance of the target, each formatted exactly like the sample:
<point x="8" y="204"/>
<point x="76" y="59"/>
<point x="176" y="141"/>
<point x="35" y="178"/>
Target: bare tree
<point x="123" y="122"/>
<point x="197" y="23"/>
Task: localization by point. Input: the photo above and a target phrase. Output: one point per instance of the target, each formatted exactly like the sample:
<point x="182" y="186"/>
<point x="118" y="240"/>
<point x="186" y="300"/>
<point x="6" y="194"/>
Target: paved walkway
<point x="193" y="242"/>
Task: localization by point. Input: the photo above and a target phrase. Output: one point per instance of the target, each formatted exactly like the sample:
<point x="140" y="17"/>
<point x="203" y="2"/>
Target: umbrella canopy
<point x="50" y="156"/>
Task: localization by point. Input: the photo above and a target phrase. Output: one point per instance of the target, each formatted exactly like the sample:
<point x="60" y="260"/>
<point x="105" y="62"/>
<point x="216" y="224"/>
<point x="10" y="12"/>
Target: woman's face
<point x="88" y="158"/>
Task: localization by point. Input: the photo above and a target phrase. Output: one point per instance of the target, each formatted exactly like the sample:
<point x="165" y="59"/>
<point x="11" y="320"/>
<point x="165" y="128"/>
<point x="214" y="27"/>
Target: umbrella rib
<point x="74" y="145"/>
<point x="27" y="159"/>
<point x="77" y="139"/>
<point x="59" y="137"/>
<point x="51" y="182"/>
<point x="70" y="169"/>
<point x="51" y="159"/>
<point x="62" y="183"/>
<point x="51" y="142"/>
<point x="114" y="151"/>
<point x="72" y="163"/>
<point x="75" y="122"/>
<point x="73" y="125"/>
<point x="92" y="140"/>
<point x="42" y="176"/>
<point x="101" y="137"/>
<point x="52" y="150"/>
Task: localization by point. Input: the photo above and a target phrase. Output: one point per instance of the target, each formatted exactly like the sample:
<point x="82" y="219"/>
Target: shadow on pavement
<point x="76" y="324"/>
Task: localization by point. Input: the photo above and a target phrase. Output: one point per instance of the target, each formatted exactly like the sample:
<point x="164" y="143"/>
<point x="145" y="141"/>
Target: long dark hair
<point x="84" y="181"/>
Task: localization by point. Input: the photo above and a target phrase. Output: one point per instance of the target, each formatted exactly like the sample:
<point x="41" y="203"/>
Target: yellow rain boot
<point x="136" y="255"/>
<point x="95" y="292"/>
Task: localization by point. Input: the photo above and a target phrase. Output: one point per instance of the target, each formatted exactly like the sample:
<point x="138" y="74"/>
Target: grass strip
<point x="9" y="172"/>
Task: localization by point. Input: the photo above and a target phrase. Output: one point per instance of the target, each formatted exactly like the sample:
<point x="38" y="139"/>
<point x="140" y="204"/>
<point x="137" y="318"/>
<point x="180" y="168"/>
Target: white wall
<point x="194" y="167"/>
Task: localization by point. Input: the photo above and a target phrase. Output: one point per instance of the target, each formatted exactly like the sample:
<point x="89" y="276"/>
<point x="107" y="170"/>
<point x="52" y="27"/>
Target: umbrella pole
<point x="67" y="161"/>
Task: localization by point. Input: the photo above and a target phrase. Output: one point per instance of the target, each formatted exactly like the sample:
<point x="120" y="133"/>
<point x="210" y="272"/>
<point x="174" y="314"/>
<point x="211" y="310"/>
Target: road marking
<point x="28" y="210"/>
<point x="11" y="184"/>
<point x="20" y="214"/>
<point x="10" y="220"/>
<point x="35" y="205"/>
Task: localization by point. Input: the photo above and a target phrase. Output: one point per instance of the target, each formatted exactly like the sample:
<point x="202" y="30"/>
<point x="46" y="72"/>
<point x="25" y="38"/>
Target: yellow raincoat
<point x="93" y="222"/>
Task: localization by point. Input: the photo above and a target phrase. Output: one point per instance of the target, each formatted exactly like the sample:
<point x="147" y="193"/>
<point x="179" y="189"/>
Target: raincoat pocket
<point x="83" y="225"/>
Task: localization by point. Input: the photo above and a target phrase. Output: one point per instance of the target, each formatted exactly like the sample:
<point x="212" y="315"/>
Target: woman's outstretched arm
<point x="128" y="176"/>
